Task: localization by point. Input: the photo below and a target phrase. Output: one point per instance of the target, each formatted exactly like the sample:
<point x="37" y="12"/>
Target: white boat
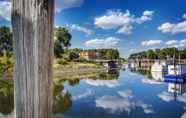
<point x="157" y="75"/>
<point x="176" y="88"/>
<point x="176" y="73"/>
<point x="159" y="67"/>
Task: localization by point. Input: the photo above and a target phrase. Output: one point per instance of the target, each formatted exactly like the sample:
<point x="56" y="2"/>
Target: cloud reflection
<point x="83" y="95"/>
<point x="107" y="83"/>
<point x="150" y="81"/>
<point x="123" y="102"/>
<point x="115" y="104"/>
<point x="168" y="97"/>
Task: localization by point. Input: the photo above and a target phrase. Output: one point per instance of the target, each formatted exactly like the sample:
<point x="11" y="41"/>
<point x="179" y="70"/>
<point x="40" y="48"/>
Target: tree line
<point x="62" y="50"/>
<point x="164" y="53"/>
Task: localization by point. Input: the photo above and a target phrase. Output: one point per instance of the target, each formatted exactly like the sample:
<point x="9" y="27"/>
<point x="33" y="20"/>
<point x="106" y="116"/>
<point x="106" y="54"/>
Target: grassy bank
<point x="76" y="69"/>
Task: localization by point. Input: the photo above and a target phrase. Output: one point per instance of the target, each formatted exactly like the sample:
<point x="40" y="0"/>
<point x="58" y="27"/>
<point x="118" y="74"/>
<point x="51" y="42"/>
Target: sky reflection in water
<point x="131" y="95"/>
<point x="109" y="95"/>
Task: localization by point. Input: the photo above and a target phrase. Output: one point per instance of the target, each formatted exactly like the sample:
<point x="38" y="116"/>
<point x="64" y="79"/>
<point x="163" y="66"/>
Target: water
<point x="112" y="95"/>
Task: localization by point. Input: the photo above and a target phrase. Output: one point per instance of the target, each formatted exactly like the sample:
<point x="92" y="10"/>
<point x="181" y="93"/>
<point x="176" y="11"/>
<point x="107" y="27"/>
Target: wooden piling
<point x="32" y="24"/>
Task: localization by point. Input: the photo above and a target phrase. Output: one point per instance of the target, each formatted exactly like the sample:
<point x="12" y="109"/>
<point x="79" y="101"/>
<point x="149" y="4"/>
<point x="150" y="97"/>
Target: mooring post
<point x="32" y="24"/>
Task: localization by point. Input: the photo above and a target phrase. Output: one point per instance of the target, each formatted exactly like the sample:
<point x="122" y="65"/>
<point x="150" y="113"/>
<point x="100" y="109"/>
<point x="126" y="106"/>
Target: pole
<point x="32" y="23"/>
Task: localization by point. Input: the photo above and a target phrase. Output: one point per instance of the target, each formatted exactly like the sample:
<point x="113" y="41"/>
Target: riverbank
<point x="69" y="70"/>
<point x="76" y="70"/>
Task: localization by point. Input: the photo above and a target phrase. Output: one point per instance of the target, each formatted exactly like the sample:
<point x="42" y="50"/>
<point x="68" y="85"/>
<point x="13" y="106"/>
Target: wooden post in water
<point x="32" y="23"/>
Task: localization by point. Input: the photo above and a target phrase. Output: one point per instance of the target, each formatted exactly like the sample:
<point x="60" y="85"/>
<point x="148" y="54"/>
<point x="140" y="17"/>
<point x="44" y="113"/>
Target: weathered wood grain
<point x="32" y="23"/>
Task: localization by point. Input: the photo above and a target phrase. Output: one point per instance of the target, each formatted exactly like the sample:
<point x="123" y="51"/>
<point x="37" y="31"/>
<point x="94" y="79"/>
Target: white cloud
<point x="126" y="94"/>
<point x="125" y="30"/>
<point x="184" y="16"/>
<point x="5" y="7"/>
<point x="122" y="20"/>
<point x="5" y="10"/>
<point x="66" y="4"/>
<point x="115" y="104"/>
<point x="147" y="15"/>
<point x="149" y="81"/>
<point x="171" y="42"/>
<point x="83" y="95"/>
<point x="151" y="42"/>
<point x="107" y="83"/>
<point x="176" y="43"/>
<point x="173" y="28"/>
<point x="147" y="108"/>
<point x="167" y="97"/>
<point x="113" y="19"/>
<point x="81" y="29"/>
<point x="102" y="43"/>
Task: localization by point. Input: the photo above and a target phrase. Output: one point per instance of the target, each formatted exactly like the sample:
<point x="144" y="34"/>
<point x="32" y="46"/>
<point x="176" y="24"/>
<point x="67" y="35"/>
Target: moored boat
<point x="176" y="73"/>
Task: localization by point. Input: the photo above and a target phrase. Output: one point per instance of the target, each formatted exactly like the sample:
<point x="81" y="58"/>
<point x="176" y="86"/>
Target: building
<point x="89" y="55"/>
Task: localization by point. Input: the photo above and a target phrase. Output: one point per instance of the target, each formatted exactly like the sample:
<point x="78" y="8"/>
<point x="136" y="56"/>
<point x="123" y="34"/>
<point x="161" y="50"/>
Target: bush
<point x="62" y="61"/>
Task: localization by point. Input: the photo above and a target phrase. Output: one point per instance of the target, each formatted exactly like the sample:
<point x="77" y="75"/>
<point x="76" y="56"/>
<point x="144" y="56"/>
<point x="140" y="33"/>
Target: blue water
<point x="132" y="95"/>
<point x="122" y="94"/>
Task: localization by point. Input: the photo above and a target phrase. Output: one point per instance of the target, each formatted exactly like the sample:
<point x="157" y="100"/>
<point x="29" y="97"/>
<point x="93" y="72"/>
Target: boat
<point x="111" y="65"/>
<point x="176" y="73"/>
<point x="176" y="88"/>
<point x="159" y="67"/>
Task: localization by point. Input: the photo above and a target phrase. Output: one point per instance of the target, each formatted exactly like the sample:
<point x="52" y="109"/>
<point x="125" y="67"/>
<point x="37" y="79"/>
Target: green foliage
<point x="150" y="54"/>
<point x="159" y="54"/>
<point x="62" y="40"/>
<point x="62" y="100"/>
<point x="6" y="41"/>
<point x="107" y="54"/>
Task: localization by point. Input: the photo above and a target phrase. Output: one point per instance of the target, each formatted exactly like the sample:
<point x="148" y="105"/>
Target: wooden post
<point x="32" y="23"/>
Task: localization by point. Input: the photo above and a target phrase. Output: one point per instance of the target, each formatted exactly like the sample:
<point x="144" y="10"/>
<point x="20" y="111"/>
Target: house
<point x="89" y="54"/>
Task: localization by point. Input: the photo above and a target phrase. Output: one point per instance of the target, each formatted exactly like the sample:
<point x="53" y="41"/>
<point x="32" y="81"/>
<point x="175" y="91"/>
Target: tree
<point x="6" y="50"/>
<point x="150" y="54"/>
<point x="6" y="41"/>
<point x="62" y="40"/>
<point x="32" y="23"/>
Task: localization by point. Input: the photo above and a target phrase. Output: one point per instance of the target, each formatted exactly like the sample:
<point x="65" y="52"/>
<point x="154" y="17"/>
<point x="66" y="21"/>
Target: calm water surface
<point x="112" y="95"/>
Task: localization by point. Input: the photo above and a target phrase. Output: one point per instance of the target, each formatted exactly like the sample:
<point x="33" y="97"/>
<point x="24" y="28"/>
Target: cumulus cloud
<point x="66" y="4"/>
<point x="176" y="43"/>
<point x="147" y="15"/>
<point x="125" y="30"/>
<point x="167" y="97"/>
<point x="102" y="43"/>
<point x="126" y="94"/>
<point x="121" y="103"/>
<point x="79" y="28"/>
<point x="122" y="21"/>
<point x="83" y="95"/>
<point x="149" y="81"/>
<point x="171" y="42"/>
<point x="5" y="10"/>
<point x="173" y="28"/>
<point x="107" y="83"/>
<point x="151" y="42"/>
<point x="147" y="108"/>
<point x="115" y="104"/>
<point x="5" y="7"/>
<point x="184" y="16"/>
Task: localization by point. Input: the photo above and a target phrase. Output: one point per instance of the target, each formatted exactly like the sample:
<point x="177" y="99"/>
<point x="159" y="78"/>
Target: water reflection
<point x="62" y="99"/>
<point x="123" y="102"/>
<point x="6" y="97"/>
<point x="109" y="94"/>
<point x="175" y="91"/>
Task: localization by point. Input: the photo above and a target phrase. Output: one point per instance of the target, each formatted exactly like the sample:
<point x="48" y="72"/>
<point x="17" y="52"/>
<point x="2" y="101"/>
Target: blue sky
<point x="128" y="25"/>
